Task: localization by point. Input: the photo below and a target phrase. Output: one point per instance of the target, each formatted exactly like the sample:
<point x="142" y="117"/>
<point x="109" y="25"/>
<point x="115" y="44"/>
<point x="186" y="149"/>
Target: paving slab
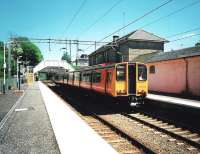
<point x="30" y="130"/>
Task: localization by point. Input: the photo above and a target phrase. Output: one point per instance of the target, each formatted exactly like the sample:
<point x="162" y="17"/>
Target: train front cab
<point x="131" y="82"/>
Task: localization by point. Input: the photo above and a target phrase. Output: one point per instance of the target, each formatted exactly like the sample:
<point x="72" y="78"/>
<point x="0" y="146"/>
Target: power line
<point x="184" y="38"/>
<point x="137" y="19"/>
<point x="74" y="16"/>
<point x="177" y="34"/>
<point x="172" y="13"/>
<point x="102" y="16"/>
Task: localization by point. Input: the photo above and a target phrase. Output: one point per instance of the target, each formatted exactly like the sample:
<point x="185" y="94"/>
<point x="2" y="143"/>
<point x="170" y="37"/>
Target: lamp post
<point x="18" y="71"/>
<point x="4" y="68"/>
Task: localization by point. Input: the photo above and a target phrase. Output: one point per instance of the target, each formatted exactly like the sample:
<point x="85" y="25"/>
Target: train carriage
<point x="124" y="81"/>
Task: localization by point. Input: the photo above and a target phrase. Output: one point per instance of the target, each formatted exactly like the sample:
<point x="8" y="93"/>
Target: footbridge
<point x="53" y="66"/>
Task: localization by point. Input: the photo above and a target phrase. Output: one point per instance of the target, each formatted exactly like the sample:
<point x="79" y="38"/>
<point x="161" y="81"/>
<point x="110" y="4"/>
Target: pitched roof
<point x="141" y="34"/>
<point x="137" y="35"/>
<point x="161" y="56"/>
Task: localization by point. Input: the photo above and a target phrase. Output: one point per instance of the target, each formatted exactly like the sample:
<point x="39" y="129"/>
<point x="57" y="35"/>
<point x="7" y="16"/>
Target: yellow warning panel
<point x="30" y="78"/>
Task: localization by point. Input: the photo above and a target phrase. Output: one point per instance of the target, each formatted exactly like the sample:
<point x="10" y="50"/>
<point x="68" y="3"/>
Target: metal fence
<point x="10" y="84"/>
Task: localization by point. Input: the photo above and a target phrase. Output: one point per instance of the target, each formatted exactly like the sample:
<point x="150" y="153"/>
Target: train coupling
<point x="136" y="101"/>
<point x="134" y="104"/>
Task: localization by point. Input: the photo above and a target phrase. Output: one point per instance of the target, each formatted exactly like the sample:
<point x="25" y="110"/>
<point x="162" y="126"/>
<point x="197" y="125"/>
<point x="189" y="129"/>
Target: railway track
<point x="174" y="130"/>
<point x="144" y="133"/>
<point x="120" y="141"/>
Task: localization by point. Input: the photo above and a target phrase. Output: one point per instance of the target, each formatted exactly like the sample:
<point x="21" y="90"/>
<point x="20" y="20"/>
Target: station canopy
<point x="53" y="66"/>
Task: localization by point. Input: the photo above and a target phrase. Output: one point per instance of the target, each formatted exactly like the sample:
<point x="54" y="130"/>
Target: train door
<point x="108" y="82"/>
<point x="132" y="78"/>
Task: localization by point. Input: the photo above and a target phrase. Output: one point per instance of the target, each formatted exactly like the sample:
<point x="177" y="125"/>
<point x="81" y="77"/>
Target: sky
<point x="52" y="18"/>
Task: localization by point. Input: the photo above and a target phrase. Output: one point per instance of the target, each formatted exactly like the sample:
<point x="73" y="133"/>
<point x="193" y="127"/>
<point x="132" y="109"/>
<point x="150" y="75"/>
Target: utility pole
<point x="49" y="44"/>
<point x="70" y="50"/>
<point x="9" y="64"/>
<point x="17" y="74"/>
<point x="66" y="44"/>
<point x="124" y="22"/>
<point x="77" y="48"/>
<point x="18" y="71"/>
<point x="95" y="46"/>
<point x="4" y="68"/>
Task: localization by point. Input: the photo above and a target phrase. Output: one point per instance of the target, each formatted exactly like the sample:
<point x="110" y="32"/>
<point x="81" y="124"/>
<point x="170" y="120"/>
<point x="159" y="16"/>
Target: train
<point x="126" y="82"/>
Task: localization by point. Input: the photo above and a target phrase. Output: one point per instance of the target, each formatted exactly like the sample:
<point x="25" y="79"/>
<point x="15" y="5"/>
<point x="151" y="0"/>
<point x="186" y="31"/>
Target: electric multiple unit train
<point x="126" y="81"/>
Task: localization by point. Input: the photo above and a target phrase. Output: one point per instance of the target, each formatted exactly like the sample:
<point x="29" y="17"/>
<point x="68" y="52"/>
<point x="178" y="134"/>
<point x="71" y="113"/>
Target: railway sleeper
<point x="105" y="133"/>
<point x="123" y="148"/>
<point x="190" y="135"/>
<point x="196" y="139"/>
<point x="162" y="124"/>
<point x="168" y="127"/>
<point x="182" y="132"/>
<point x="174" y="129"/>
<point x="102" y="129"/>
<point x="116" y="141"/>
<point x="131" y="152"/>
<point x="110" y="136"/>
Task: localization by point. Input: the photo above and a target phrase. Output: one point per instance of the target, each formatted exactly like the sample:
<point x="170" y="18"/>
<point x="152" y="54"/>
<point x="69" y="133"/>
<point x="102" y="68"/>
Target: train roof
<point x="90" y="68"/>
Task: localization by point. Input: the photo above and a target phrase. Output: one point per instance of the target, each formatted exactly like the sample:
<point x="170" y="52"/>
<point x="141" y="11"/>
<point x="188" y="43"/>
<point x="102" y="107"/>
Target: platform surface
<point x="73" y="135"/>
<point x="41" y="123"/>
<point x="29" y="128"/>
<point x="175" y="100"/>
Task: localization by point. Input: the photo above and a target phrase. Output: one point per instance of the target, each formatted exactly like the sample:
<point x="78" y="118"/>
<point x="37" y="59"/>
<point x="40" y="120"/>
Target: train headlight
<point x="121" y="92"/>
<point x="142" y="93"/>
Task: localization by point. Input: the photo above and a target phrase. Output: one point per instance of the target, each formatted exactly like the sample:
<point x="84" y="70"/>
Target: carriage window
<point x="96" y="77"/>
<point x="152" y="69"/>
<point x="142" y="72"/>
<point x="121" y="72"/>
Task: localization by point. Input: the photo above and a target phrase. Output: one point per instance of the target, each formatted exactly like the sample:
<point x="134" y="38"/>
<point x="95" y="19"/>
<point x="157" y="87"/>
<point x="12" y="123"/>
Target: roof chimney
<point x="115" y="37"/>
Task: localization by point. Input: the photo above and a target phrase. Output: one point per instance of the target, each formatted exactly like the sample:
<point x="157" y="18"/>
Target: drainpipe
<point x="186" y="74"/>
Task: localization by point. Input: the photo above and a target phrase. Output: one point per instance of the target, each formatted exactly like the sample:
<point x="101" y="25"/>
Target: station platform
<point x="41" y="122"/>
<point x="174" y="100"/>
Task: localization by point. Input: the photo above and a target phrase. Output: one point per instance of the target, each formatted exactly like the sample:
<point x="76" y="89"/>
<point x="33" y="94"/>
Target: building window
<point x="152" y="69"/>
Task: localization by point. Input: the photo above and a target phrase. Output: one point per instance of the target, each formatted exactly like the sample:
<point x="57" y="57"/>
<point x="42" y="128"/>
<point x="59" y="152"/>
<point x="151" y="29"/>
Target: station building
<point x="127" y="48"/>
<point x="174" y="72"/>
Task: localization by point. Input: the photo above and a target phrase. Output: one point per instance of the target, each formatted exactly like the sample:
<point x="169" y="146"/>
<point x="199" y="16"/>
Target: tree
<point x="197" y="44"/>
<point x="66" y="57"/>
<point x="30" y="53"/>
